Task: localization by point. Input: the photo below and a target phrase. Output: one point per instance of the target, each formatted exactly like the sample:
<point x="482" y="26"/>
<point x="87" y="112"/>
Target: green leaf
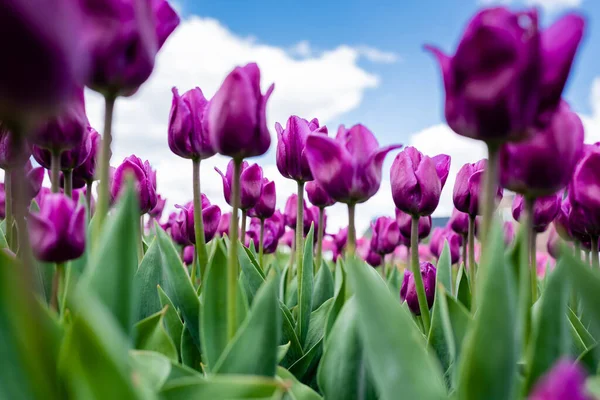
<point x="181" y="291"/>
<point x="586" y="282"/>
<point x="318" y="322"/>
<point x="291" y="293"/>
<point x="114" y="262"/>
<point x="214" y="319"/>
<point x="173" y="323"/>
<point x="585" y="336"/>
<point x="340" y="299"/>
<point x="343" y="371"/>
<point x="323" y="287"/>
<point x="282" y="351"/>
<point x="444" y="268"/>
<point x="488" y="366"/>
<point x="440" y="337"/>
<point x="296" y="391"/>
<point x="190" y="356"/>
<point x="550" y="332"/>
<point x="229" y="387"/>
<point x="150" y="334"/>
<point x="305" y="288"/>
<point x="396" y="353"/>
<point x="252" y="272"/>
<point x="253" y="349"/>
<point x="289" y="336"/>
<point x="463" y="293"/>
<point x="394" y="281"/>
<point x="181" y="371"/>
<point x="148" y="276"/>
<point x="153" y="368"/>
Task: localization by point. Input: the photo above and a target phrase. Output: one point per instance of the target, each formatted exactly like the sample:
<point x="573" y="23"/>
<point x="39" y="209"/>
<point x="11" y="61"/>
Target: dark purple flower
<point x="417" y="181"/>
<point x="545" y="210"/>
<point x="408" y="291"/>
<point x="124" y="38"/>
<point x="290" y="212"/>
<point x="265" y="207"/>
<point x="506" y="74"/>
<point x="271" y="239"/>
<point x="188" y="137"/>
<point x="349" y="166"/>
<point x="566" y="380"/>
<point x="188" y="255"/>
<point x="10" y="155"/>
<point x="211" y="217"/>
<point x="385" y="235"/>
<point x="34" y="178"/>
<point x="585" y="188"/>
<point x="441" y="236"/>
<point x="223" y="228"/>
<point x="69" y="159"/>
<point x="2" y="201"/>
<point x="87" y="170"/>
<point x="340" y="239"/>
<point x="144" y="178"/>
<point x="291" y="147"/>
<point x="157" y="211"/>
<point x="251" y="180"/>
<point x="79" y="198"/>
<point x="317" y="195"/>
<point x="468" y="188"/>
<point x="278" y="221"/>
<point x="459" y="222"/>
<point x="313" y="220"/>
<point x="404" y="223"/>
<point x="236" y="115"/>
<point x="57" y="232"/>
<point x="531" y="168"/>
<point x="373" y="259"/>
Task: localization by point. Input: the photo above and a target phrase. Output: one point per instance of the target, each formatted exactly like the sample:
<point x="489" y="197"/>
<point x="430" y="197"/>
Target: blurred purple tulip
<point x="317" y="195"/>
<point x="566" y="380"/>
<point x="509" y="232"/>
<point x="373" y="259"/>
<point x="439" y="237"/>
<point x="290" y="212"/>
<point x="385" y="235"/>
<point x="417" y="181"/>
<point x="157" y="211"/>
<point x="459" y="222"/>
<point x="404" y="223"/>
<point x="585" y="188"/>
<point x="265" y="207"/>
<point x="251" y="181"/>
<point x="271" y="239"/>
<point x="145" y="182"/>
<point x="57" y="232"/>
<point x="545" y="210"/>
<point x="349" y="166"/>
<point x="408" y="291"/>
<point x="211" y="217"/>
<point x="34" y="178"/>
<point x="278" y="221"/>
<point x="340" y="239"/>
<point x="79" y="196"/>
<point x="188" y="255"/>
<point x="223" y="228"/>
<point x="236" y="115"/>
<point x="10" y="155"/>
<point x="468" y="188"/>
<point x="69" y="159"/>
<point x="507" y="74"/>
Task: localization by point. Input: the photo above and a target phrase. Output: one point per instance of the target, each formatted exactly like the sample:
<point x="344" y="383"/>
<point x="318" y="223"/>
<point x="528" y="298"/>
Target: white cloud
<point x="304" y="49"/>
<point x="591" y="123"/>
<point x="550" y="6"/>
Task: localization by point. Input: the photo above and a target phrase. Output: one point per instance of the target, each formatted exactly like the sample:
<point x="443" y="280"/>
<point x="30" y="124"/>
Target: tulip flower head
<point x="566" y="380"/>
<point x="271" y="239"/>
<point x="144" y="178"/>
<point x="404" y="223"/>
<point x="317" y="195"/>
<point x="585" y="187"/>
<point x="223" y="228"/>
<point x="188" y="255"/>
<point x="385" y="235"/>
<point x="251" y="184"/>
<point x="545" y="210"/>
<point x="265" y="207"/>
<point x="468" y="188"/>
<point x="442" y="235"/>
<point x="408" y="291"/>
<point x="157" y="211"/>
<point x="69" y="159"/>
<point x="13" y="153"/>
<point x="211" y="217"/>
<point x="459" y="222"/>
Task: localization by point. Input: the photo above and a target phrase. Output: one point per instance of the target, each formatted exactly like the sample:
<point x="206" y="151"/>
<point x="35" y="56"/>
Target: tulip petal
<point x="226" y="187"/>
<point x="331" y="165"/>
<point x="442" y="166"/>
<point x="250" y="186"/>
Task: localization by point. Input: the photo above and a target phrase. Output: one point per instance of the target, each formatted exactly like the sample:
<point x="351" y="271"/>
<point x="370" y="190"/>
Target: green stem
<point x="465" y="246"/>
<point x="141" y="240"/>
<point x="299" y="241"/>
<point x="489" y="192"/>
<point x="471" y="254"/>
<point x="261" y="244"/>
<point x="201" y="256"/>
<point x="319" y="256"/>
<point x="586" y="257"/>
<point x="88" y="198"/>
<point x="103" y="166"/>
<point x="243" y="234"/>
<point x="351" y="245"/>
<point x="68" y="177"/>
<point x="232" y="262"/>
<point x="594" y="251"/>
<point x="55" y="171"/>
<point x="574" y="300"/>
<point x="8" y="208"/>
<point x="416" y="270"/>
<point x="532" y="240"/>
<point x="290" y="274"/>
<point x="59" y="274"/>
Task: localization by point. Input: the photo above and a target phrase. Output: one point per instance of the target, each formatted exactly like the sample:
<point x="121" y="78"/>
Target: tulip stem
<point x="291" y="262"/>
<point x="68" y="177"/>
<point x="201" y="256"/>
<point x="232" y="262"/>
<point x="416" y="270"/>
<point x="261" y="244"/>
<point x="300" y="246"/>
<point x="594" y="251"/>
<point x="88" y="198"/>
<point x="319" y="256"/>
<point x="586" y="257"/>
<point x="351" y="246"/>
<point x="104" y="166"/>
<point x="8" y="208"/>
<point x="531" y="241"/>
<point x="59" y="274"/>
<point x="55" y="171"/>
<point x="141" y="240"/>
<point x="243" y="233"/>
<point x="471" y="254"/>
<point x="489" y="191"/>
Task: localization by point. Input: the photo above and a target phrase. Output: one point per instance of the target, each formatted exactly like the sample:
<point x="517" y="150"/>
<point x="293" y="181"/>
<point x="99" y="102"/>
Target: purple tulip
<point x="317" y="195"/>
<point x="124" y="38"/>
<point x="87" y="170"/>
<point x="278" y="221"/>
<point x="69" y="159"/>
<point x="44" y="58"/>
<point x="271" y="239"/>
<point x="236" y="115"/>
<point x="404" y="223"/>
<point x="290" y="212"/>
<point x="223" y="228"/>
<point x="469" y="186"/>
<point x="79" y="196"/>
<point x="349" y="166"/>
<point x="291" y="147"/>
<point x="417" y="181"/>
<point x="545" y="210"/>
<point x="506" y="74"/>
<point x="312" y="219"/>
<point x="67" y="130"/>
<point x="385" y="235"/>
<point x="373" y="259"/>
<point x="441" y="236"/>
<point x="340" y="239"/>
<point x="34" y="178"/>
<point x="509" y="232"/>
<point x="145" y="182"/>
<point x="10" y="155"/>
<point x="288" y="238"/>
<point x="531" y="168"/>
<point x="188" y="137"/>
<point x="177" y="226"/>
<point x="57" y="232"/>
<point x="408" y="291"/>
<point x="566" y="380"/>
<point x="265" y="207"/>
<point x="459" y="222"/>
<point x="251" y="180"/>
<point x="188" y="255"/>
<point x="157" y="211"/>
<point x="585" y="187"/>
<point x="211" y="217"/>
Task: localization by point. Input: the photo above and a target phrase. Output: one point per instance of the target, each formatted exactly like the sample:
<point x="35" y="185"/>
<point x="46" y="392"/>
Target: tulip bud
<point x="385" y="235"/>
<point x="251" y="180"/>
<point x="417" y="181"/>
<point x="408" y="291"/>
<point x="223" y="228"/>
<point x="188" y="137"/>
<point x="57" y="232"/>
<point x="34" y="178"/>
<point x="404" y="223"/>
<point x="506" y="74"/>
<point x="290" y="212"/>
<point x="10" y="155"/>
<point x="211" y="217"/>
<point x="442" y="235"/>
<point x="188" y="255"/>
<point x="545" y="210"/>
<point x="87" y="170"/>
<point x="79" y="196"/>
<point x="373" y="259"/>
<point x="584" y="189"/>
<point x="69" y="159"/>
<point x="236" y="115"/>
<point x="291" y="147"/>
<point x="348" y="167"/>
<point x="468" y="188"/>
<point x="459" y="222"/>
<point x="270" y="236"/>
<point x="317" y="195"/>
<point x="145" y="182"/>
<point x="157" y="211"/>
<point x="265" y="207"/>
<point x="566" y="380"/>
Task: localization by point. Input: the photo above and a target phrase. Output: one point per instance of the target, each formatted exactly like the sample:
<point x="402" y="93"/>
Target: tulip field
<point x="105" y="296"/>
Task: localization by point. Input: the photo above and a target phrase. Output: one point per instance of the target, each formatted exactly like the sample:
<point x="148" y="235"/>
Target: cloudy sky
<point x="343" y="64"/>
